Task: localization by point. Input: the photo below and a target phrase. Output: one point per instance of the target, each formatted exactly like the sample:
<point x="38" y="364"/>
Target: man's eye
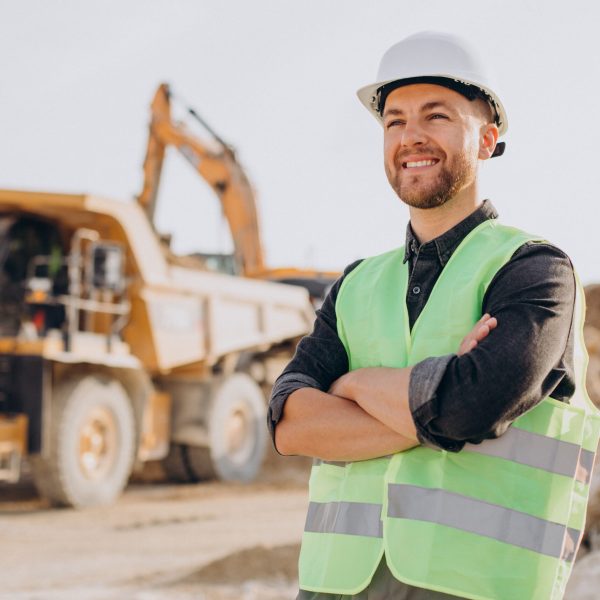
<point x="394" y="123"/>
<point x="438" y="116"/>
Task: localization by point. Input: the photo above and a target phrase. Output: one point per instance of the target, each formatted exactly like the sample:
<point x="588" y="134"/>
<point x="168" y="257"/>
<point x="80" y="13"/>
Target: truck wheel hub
<point x="238" y="430"/>
<point x="98" y="443"/>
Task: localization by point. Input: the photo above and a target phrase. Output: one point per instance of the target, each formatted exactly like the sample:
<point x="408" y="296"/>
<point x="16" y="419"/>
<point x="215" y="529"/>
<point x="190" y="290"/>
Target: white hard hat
<point x="431" y="57"/>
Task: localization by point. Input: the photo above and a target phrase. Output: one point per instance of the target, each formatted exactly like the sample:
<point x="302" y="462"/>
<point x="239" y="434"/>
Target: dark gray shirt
<point x="458" y="399"/>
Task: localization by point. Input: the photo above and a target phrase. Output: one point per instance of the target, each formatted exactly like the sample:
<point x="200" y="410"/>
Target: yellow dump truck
<point x="114" y="352"/>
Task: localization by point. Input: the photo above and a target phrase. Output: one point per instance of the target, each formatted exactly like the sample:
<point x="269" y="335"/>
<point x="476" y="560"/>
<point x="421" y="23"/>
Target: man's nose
<point x="412" y="134"/>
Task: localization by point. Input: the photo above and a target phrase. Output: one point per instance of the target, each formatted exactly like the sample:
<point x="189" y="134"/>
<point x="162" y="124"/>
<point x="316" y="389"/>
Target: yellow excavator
<point x="215" y="161"/>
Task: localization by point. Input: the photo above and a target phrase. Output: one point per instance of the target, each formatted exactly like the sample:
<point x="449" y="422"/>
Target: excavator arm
<point x="218" y="166"/>
<point x="216" y="163"/>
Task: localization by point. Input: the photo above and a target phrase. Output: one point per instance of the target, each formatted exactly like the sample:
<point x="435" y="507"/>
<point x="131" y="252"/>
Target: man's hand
<point x="479" y="332"/>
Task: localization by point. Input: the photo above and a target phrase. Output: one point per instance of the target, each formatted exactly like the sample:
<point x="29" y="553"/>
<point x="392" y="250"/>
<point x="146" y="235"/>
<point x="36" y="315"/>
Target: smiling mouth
<point x="414" y="164"/>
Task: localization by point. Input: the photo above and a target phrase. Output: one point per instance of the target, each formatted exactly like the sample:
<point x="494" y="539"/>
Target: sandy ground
<point x="159" y="541"/>
<point x="210" y="541"/>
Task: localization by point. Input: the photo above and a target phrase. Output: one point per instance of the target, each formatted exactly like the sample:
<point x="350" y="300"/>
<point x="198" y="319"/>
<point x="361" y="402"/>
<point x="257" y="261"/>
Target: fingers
<point x="483" y="328"/>
<point x="479" y="332"/>
<point x="486" y="320"/>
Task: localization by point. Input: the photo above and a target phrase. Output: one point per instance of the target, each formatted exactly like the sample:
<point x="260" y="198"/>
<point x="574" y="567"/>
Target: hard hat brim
<point x="368" y="97"/>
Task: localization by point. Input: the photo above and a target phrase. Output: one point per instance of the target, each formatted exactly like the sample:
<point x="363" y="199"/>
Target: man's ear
<point x="488" y="136"/>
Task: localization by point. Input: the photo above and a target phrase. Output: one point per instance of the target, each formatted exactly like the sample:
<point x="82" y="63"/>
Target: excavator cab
<point x="220" y="263"/>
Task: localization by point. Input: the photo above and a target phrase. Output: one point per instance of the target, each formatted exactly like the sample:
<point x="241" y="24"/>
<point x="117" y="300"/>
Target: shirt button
<point x="416" y="290"/>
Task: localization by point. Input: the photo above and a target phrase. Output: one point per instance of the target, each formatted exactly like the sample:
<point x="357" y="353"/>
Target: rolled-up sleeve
<point x="527" y="357"/>
<point x="425" y="379"/>
<point x="284" y="386"/>
<point x="319" y="360"/>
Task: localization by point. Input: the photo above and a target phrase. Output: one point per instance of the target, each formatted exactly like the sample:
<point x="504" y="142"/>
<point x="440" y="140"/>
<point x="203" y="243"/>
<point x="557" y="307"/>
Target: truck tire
<point x="237" y="434"/>
<point x="176" y="465"/>
<point x="91" y="443"/>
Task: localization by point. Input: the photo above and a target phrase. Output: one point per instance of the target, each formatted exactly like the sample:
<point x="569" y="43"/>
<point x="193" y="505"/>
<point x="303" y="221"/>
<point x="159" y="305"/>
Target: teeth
<point x="420" y="163"/>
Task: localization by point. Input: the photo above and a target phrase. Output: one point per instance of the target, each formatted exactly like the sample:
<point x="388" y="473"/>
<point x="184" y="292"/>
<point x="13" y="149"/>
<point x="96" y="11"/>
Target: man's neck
<point x="429" y="223"/>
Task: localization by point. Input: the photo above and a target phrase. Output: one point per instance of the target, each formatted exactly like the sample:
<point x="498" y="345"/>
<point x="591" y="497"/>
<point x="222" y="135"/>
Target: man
<point x="442" y="389"/>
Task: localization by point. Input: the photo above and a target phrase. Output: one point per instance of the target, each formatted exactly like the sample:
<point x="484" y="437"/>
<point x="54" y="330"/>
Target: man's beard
<point x="449" y="181"/>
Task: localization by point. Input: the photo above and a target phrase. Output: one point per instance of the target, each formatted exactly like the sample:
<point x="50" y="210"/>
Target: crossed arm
<point x="364" y="415"/>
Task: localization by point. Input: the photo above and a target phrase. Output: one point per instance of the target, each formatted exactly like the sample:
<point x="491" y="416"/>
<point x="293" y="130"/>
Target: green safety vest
<point x="497" y="520"/>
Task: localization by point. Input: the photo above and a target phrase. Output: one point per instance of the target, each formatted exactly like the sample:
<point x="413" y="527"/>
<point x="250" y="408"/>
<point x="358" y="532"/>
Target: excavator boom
<point x="217" y="165"/>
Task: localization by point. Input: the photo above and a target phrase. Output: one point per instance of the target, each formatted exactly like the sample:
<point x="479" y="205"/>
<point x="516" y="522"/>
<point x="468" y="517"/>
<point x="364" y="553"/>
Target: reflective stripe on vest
<point x="350" y="518"/>
<point x="489" y="520"/>
<point x="540" y="452"/>
<point x="532" y="449"/>
<point x="502" y="515"/>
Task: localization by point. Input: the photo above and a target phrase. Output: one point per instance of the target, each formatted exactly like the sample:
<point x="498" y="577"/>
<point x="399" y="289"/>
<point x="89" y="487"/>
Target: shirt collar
<point x="444" y="245"/>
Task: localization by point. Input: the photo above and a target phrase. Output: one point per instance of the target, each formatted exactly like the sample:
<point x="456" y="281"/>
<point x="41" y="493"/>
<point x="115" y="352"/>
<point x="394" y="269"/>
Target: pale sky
<point x="277" y="79"/>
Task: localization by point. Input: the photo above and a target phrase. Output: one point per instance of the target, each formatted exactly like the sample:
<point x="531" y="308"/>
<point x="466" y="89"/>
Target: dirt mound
<point x="278" y="563"/>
